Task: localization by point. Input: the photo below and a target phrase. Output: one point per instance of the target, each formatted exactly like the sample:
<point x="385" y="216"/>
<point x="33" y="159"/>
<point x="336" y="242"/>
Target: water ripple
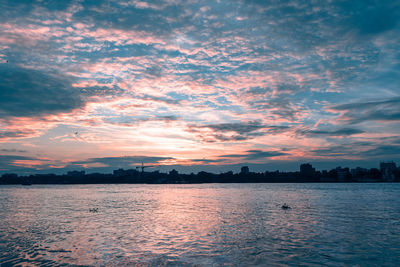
<point x="200" y="225"/>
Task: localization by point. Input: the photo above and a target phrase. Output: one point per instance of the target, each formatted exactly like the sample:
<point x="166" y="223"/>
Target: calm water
<point x="201" y="225"/>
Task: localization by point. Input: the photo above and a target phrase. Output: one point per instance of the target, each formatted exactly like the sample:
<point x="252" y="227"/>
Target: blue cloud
<point x="124" y="161"/>
<point x="25" y="92"/>
<point x="373" y="110"/>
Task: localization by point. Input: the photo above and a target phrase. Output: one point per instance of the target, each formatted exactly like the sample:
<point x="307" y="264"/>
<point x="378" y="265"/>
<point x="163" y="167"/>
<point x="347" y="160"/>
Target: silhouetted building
<point x="173" y="173"/>
<point x="119" y="172"/>
<point x="387" y="172"/>
<point x="307" y="169"/>
<point x="9" y="178"/>
<point x="244" y="170"/>
<point x="327" y="177"/>
<point x="122" y="172"/>
<point x="359" y="172"/>
<point x="76" y="173"/>
<point x="388" y="169"/>
<point x="343" y="174"/>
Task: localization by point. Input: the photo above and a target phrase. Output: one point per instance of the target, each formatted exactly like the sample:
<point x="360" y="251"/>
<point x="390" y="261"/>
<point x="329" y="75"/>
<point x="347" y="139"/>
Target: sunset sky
<point x="200" y="85"/>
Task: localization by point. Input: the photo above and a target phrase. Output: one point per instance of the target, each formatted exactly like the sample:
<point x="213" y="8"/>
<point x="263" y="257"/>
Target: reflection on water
<point x="209" y="224"/>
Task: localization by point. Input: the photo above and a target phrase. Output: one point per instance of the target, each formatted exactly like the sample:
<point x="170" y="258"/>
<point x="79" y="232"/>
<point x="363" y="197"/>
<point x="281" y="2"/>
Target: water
<point x="201" y="225"/>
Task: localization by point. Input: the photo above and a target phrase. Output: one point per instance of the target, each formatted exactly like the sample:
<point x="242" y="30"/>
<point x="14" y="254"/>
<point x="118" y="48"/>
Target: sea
<point x="327" y="224"/>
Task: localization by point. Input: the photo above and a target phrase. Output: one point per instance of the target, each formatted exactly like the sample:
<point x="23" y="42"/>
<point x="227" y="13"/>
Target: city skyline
<point x="388" y="172"/>
<point x="195" y="85"/>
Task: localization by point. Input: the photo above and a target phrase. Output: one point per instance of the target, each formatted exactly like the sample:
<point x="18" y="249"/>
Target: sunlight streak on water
<point x="209" y="224"/>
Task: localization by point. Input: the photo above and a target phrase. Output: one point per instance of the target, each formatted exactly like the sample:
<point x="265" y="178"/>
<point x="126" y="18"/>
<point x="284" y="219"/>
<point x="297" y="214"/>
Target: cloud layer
<point x="186" y="82"/>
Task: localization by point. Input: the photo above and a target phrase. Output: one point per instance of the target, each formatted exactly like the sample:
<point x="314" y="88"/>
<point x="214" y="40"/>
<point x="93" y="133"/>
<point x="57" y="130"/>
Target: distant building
<point x="173" y="173"/>
<point x="342" y="174"/>
<point x="363" y="175"/>
<point x="244" y="170"/>
<point x="387" y="170"/>
<point x="123" y="173"/>
<point x="76" y="173"/>
<point x="119" y="172"/>
<point x="9" y="176"/>
<point x="359" y="172"/>
<point x="307" y="169"/>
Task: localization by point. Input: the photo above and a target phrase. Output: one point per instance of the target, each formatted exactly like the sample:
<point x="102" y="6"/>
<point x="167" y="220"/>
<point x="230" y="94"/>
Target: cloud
<point x="238" y="131"/>
<point x="26" y="93"/>
<point x="162" y="99"/>
<point x="243" y="128"/>
<point x="257" y="90"/>
<point x="6" y="160"/>
<point x="112" y="14"/>
<point x="338" y="132"/>
<point x="383" y="150"/>
<point x="88" y="91"/>
<point x="281" y="107"/>
<point x="124" y="161"/>
<point x="374" y="110"/>
<point x="255" y="155"/>
<point x="205" y="161"/>
<point x="12" y="134"/>
<point x="12" y="150"/>
<point x="375" y="18"/>
<point x="154" y="71"/>
<point x="240" y="128"/>
<point x="237" y="73"/>
<point x="22" y="163"/>
<point x="320" y="20"/>
<point x="125" y="120"/>
<point x="376" y="148"/>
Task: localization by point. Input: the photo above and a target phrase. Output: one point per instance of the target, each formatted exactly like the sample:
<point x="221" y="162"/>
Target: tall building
<point x="359" y="172"/>
<point x="307" y="169"/>
<point x="387" y="170"/>
<point x="342" y="174"/>
<point x="244" y="170"/>
<point x="174" y="173"/>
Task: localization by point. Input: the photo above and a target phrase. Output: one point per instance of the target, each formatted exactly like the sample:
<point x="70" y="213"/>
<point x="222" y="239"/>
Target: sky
<point x="198" y="85"/>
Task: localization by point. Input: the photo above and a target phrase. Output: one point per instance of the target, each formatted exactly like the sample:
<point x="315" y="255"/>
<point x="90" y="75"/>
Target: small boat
<point x="285" y="206"/>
